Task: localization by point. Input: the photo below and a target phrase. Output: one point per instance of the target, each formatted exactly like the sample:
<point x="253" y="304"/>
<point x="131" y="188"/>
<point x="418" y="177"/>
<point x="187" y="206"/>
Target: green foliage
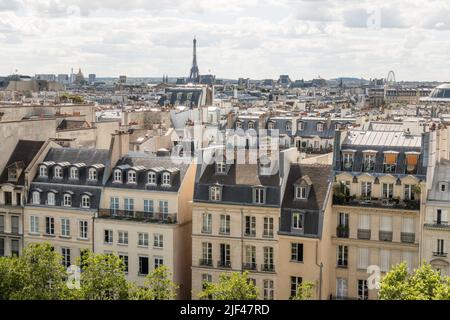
<point x="231" y="286"/>
<point x="304" y="291"/>
<point x="424" y="283"/>
<point x="66" y="97"/>
<point x="158" y="286"/>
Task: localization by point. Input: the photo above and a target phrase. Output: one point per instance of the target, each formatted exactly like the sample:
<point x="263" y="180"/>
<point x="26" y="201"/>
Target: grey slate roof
<point x="441" y="175"/>
<point x="329" y="127"/>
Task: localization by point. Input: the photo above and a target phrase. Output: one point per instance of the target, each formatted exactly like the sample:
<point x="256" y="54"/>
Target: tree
<point x="158" y="286"/>
<point x="424" y="283"/>
<point x="8" y="277"/>
<point x="103" y="277"/>
<point x="304" y="291"/>
<point x="234" y="286"/>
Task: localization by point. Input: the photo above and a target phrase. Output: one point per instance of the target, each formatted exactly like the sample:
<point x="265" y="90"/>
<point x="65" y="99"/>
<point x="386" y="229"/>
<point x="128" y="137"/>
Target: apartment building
<point x="146" y="216"/>
<point x="378" y="201"/>
<point x="13" y="182"/>
<point x="64" y="197"/>
<point x="304" y="238"/>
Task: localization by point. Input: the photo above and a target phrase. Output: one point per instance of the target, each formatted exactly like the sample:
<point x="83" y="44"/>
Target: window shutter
<point x="364" y="222"/>
<point x="300" y="252"/>
<point x="408" y="225"/>
<point x="386" y="223"/>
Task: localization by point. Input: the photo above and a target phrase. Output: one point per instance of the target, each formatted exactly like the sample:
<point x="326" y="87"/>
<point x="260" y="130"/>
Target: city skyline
<point x="304" y="39"/>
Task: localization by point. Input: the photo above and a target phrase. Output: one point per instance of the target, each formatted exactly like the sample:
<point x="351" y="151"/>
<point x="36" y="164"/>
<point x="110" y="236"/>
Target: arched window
<point x="85" y="201"/>
<point x="288" y="126"/>
<point x="132" y="176"/>
<point x="73" y="173"/>
<point x="166" y="179"/>
<point x="151" y="177"/>
<point x="251" y="125"/>
<point x="36" y="197"/>
<point x="92" y="174"/>
<point x="58" y="173"/>
<point x="271" y="125"/>
<point x="117" y="176"/>
<point x="43" y="171"/>
<point x="50" y="199"/>
<point x="67" y="200"/>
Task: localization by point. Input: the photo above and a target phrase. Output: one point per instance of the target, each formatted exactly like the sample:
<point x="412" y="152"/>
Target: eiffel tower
<point x="195" y="74"/>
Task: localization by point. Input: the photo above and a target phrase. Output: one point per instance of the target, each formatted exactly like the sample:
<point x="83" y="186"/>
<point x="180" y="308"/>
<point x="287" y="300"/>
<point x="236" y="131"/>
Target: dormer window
<point x="85" y="201"/>
<point x="43" y="171"/>
<point x="220" y="167"/>
<point x="369" y="161"/>
<point x="67" y="200"/>
<point x="337" y="126"/>
<point x="92" y="174"/>
<point x="259" y="195"/>
<point x="300" y="193"/>
<point x="271" y="125"/>
<point x="301" y="126"/>
<point x="320" y="127"/>
<point x="442" y="186"/>
<point x="215" y="193"/>
<point x="51" y="199"/>
<point x="36" y="197"/>
<point x="117" y="175"/>
<point x="151" y="178"/>
<point x="12" y="174"/>
<point x="238" y="125"/>
<point x="347" y="160"/>
<point x="73" y="173"/>
<point x="288" y="126"/>
<point x="132" y="176"/>
<point x="166" y="179"/>
<point x="297" y="221"/>
<point x="251" y="125"/>
<point x="390" y="161"/>
<point x="58" y="173"/>
<point x="412" y="160"/>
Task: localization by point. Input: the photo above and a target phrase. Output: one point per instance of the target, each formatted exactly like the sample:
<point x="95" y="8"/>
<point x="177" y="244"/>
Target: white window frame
<point x="85" y="201"/>
<point x="83" y="226"/>
<point x="298" y="221"/>
<point x="92" y="174"/>
<point x="65" y="227"/>
<point x="67" y="200"/>
<point x="34" y="224"/>
<point x="36" y="197"/>
<point x="74" y="173"/>
<point x="259" y="195"/>
<point x="215" y="193"/>
<point x="151" y="178"/>
<point x="122" y="238"/>
<point x="58" y="172"/>
<point x="319" y="127"/>
<point x="117" y="176"/>
<point x="166" y="179"/>
<point x="221" y="167"/>
<point x="158" y="240"/>
<point x="43" y="171"/>
<point x="51" y="199"/>
<point x="143" y="239"/>
<point x="300" y="192"/>
<point x="132" y="176"/>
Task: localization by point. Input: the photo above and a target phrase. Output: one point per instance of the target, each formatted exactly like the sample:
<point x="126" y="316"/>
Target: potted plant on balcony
<point x="339" y="193"/>
<point x="342" y="230"/>
<point x="416" y="189"/>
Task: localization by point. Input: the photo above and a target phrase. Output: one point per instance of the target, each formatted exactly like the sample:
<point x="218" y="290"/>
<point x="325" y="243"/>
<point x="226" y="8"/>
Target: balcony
<point x="385" y="235"/>
<point x="376" y="203"/>
<point x="440" y="254"/>
<point x="249" y="266"/>
<point x="407" y="237"/>
<point x="156" y="217"/>
<point x="364" y="234"/>
<point x="205" y="262"/>
<point x="342" y="231"/>
<point x="224" y="264"/>
<point x="266" y="267"/>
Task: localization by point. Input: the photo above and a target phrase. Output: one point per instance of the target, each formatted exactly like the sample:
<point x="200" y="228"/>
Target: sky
<point x="236" y="38"/>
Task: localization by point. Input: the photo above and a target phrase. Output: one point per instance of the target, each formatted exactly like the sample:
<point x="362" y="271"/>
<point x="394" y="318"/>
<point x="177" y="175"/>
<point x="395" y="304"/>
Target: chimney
<point x="120" y="145"/>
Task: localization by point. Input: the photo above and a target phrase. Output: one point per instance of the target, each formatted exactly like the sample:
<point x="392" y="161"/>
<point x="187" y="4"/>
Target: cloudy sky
<point x="236" y="38"/>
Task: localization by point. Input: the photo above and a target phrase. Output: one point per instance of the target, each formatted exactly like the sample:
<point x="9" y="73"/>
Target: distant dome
<point x="442" y="91"/>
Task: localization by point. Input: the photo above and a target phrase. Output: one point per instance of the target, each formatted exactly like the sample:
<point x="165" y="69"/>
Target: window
<point x="440" y="247"/>
<point x="12" y="174"/>
<point x="268" y="227"/>
<point x="151" y="178"/>
<point x="363" y="292"/>
<point x="129" y="206"/>
<point x="366" y="189"/>
<point x="49" y="225"/>
<point x="390" y="162"/>
<point x="270" y="125"/>
<point x="73" y="173"/>
<point x="51" y="199"/>
<point x="220" y="167"/>
<point x="114" y="205"/>
<point x="268" y="259"/>
<point x="206" y="223"/>
<point x="259" y="195"/>
<point x="143" y="239"/>
<point x="225" y="224"/>
<point x="441" y="216"/>
<point x="300" y="192"/>
<point x="108" y="239"/>
<point x="251" y="125"/>
<point x="124" y="259"/>
<point x="15" y="224"/>
<point x="83" y="229"/>
<point x="123" y="238"/>
<point x="297" y="221"/>
<point x="215" y="193"/>
<point x="117" y="176"/>
<point x="341" y="288"/>
<point x="300" y="126"/>
<point x="43" y="172"/>
<point x="34" y="224"/>
<point x="297" y="252"/>
<point x="250" y="226"/>
<point x="250" y="257"/>
<point x="65" y="252"/>
<point x="206" y="253"/>
<point x="369" y="162"/>
<point x="238" y="125"/>
<point x="320" y="127"/>
<point x="143" y="265"/>
<point x="385" y="260"/>
<point x="288" y="126"/>
<point x="408" y="225"/>
<point x="58" y="173"/>
<point x="132" y="176"/>
<point x="268" y="289"/>
<point x="2" y="247"/>
<point x="19" y="199"/>
<point x="85" y="201"/>
<point x="164" y="207"/>
<point x="342" y="256"/>
<point x="67" y="200"/>
<point x="158" y="262"/>
<point x="2" y="223"/>
<point x="166" y="179"/>
<point x="92" y="174"/>
<point x="295" y="283"/>
<point x="14" y="247"/>
<point x="412" y="161"/>
<point x="442" y="186"/>
<point x="408" y="192"/>
<point x="348" y="161"/>
<point x="407" y="256"/>
<point x="158" y="240"/>
<point x="363" y="261"/>
<point x="65" y="227"/>
<point x="206" y="278"/>
<point x="225" y="260"/>
<point x="36" y="197"/>
<point x="148" y="207"/>
<point x="388" y="190"/>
